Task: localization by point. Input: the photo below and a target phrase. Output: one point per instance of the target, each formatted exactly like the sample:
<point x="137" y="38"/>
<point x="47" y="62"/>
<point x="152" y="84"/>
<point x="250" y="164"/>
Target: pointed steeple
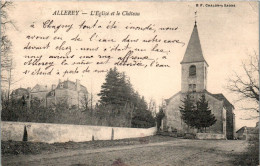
<point x="193" y="52"/>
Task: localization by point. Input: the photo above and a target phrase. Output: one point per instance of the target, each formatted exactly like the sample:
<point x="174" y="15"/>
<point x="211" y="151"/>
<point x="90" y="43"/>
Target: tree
<point x="159" y="116"/>
<point x="85" y="102"/>
<point x="118" y="95"/>
<point x="6" y="57"/>
<point x="187" y="111"/>
<point x="199" y="116"/>
<point x="246" y="84"/>
<point x="203" y="114"/>
<point x="117" y="90"/>
<point x="142" y="117"/>
<point x="110" y="90"/>
<point x="152" y="106"/>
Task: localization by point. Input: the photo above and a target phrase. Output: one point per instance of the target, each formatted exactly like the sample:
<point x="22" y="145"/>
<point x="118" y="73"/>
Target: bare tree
<point x="6" y="59"/>
<point x="6" y="52"/>
<point x="85" y="102"/>
<point x="246" y="84"/>
<point x="152" y="106"/>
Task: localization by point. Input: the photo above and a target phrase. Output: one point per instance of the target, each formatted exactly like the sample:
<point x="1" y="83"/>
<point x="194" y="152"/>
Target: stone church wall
<point x="216" y="107"/>
<point x="230" y="123"/>
<point x="173" y="114"/>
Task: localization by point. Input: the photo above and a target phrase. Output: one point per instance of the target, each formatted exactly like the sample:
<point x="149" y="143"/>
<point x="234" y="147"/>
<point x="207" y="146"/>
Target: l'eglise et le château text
<point x="106" y="13"/>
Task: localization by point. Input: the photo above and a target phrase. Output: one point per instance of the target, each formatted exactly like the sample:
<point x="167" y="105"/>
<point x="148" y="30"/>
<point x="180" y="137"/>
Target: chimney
<point x="53" y="86"/>
<point x="59" y="80"/>
<point x="77" y="85"/>
<point x="29" y="89"/>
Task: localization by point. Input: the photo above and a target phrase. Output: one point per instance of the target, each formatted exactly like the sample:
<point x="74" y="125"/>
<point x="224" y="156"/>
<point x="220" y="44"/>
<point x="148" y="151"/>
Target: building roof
<point x="49" y="94"/>
<point x="39" y="88"/>
<point x="168" y="100"/>
<point x="72" y="86"/>
<point x="220" y="96"/>
<point x="241" y="130"/>
<point x="193" y="52"/>
<point x="249" y="130"/>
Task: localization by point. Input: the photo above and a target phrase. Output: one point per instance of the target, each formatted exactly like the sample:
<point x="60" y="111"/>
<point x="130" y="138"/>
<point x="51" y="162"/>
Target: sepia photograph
<point x="129" y="83"/>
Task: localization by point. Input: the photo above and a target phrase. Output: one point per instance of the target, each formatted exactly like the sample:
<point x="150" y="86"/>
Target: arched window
<point x="192" y="70"/>
<point x="192" y="87"/>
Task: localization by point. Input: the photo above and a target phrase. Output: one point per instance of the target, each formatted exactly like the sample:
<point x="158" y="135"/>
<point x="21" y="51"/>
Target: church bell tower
<point x="194" y="66"/>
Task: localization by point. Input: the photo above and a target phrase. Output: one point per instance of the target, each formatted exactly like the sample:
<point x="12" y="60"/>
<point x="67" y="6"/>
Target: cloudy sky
<point x="227" y="34"/>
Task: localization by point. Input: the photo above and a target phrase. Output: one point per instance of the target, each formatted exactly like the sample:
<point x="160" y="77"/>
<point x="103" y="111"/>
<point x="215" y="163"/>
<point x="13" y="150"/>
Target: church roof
<point x="220" y="96"/>
<point x="193" y="52"/>
<point x="168" y="100"/>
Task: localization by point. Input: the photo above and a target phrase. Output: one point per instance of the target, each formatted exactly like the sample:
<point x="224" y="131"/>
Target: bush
<point x="251" y="157"/>
<point x="159" y="116"/>
<point x="189" y="136"/>
<point x="61" y="113"/>
<point x="173" y="135"/>
<point x="180" y="134"/>
<point x="143" y="119"/>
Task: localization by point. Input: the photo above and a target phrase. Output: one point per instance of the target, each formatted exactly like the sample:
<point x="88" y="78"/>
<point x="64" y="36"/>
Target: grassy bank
<point x="15" y="147"/>
<point x="251" y="156"/>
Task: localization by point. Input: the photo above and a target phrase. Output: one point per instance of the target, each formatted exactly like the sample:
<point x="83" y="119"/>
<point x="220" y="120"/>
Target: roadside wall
<point x="210" y="136"/>
<point x="50" y="133"/>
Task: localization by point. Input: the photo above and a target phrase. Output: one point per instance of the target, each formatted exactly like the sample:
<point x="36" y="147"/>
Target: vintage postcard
<point x="129" y="83"/>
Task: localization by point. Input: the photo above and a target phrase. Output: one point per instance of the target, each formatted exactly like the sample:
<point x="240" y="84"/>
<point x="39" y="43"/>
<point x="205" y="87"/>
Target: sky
<point x="227" y="35"/>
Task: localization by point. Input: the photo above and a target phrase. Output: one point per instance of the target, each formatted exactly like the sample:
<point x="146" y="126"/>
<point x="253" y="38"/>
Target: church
<point x="194" y="82"/>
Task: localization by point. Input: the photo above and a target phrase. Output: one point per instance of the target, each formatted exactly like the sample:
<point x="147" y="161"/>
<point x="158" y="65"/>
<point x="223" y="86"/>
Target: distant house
<point x="245" y="133"/>
<point x="72" y="93"/>
<point x="69" y="92"/>
<point x="39" y="92"/>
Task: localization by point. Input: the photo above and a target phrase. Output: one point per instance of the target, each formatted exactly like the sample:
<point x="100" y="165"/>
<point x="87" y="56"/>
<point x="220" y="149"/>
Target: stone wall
<point x="50" y="133"/>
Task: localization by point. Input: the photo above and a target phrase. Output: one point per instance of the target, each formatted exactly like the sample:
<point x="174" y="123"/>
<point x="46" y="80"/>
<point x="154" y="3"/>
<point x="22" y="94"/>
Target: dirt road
<point x="178" y="152"/>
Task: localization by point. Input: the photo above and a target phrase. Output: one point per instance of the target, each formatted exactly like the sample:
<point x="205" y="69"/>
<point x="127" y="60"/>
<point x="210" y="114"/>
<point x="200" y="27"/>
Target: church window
<point x="192" y="70"/>
<point x="194" y="88"/>
<point x="190" y="87"/>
